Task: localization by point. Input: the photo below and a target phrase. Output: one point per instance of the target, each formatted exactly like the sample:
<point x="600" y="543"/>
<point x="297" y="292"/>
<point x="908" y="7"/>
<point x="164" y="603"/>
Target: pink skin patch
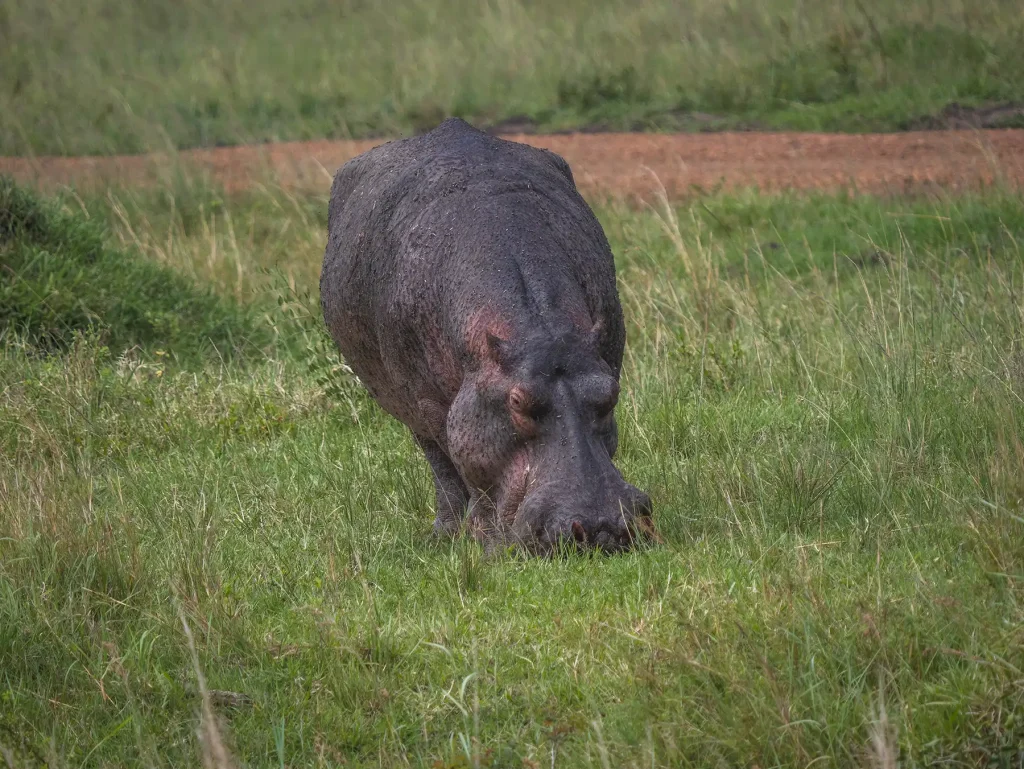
<point x="516" y="484"/>
<point x="491" y="522"/>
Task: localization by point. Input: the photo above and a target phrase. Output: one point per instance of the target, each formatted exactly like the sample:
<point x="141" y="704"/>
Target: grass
<point x="60" y="281"/>
<point x="822" y="394"/>
<point x="100" y="77"/>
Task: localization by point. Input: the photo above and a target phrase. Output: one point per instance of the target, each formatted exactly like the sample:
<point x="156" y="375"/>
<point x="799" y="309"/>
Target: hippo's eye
<point x="524" y="404"/>
<point x="519" y="400"/>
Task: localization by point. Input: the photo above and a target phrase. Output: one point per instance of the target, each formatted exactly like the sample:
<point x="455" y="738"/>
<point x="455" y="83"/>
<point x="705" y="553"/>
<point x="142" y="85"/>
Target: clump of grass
<point x="59" y="278"/>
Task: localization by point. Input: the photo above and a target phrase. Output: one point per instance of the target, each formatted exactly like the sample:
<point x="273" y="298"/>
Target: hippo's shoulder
<point x="458" y="137"/>
<point x="453" y="158"/>
<point x="455" y="150"/>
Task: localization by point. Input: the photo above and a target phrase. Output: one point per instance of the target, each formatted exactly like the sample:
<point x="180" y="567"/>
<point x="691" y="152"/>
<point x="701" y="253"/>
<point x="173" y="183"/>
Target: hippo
<point x="473" y="292"/>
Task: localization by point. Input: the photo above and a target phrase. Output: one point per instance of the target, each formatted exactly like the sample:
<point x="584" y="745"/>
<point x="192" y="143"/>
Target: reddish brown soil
<point x="619" y="165"/>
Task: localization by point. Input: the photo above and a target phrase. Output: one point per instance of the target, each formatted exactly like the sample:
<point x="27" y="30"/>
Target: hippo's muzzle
<point x="614" y="518"/>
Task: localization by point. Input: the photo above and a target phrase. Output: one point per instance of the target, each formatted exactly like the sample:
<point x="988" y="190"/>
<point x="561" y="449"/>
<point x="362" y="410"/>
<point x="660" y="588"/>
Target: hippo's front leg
<point x="452" y="495"/>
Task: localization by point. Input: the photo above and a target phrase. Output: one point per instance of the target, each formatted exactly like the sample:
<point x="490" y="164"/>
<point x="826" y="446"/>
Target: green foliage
<point x="822" y="394"/>
<point x="194" y="73"/>
<point x="59" y="279"/>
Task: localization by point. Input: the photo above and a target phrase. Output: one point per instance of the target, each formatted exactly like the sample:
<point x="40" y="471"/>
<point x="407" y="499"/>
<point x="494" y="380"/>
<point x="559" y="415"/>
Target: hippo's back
<point x="373" y="193"/>
<point x="400" y="177"/>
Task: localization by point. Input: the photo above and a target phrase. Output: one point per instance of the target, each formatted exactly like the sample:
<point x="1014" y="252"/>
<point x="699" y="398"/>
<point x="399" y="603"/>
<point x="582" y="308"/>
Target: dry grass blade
<point x="215" y="752"/>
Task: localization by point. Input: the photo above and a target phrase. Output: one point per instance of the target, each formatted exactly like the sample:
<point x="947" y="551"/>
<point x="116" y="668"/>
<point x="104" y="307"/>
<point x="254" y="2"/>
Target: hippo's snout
<point x="549" y="520"/>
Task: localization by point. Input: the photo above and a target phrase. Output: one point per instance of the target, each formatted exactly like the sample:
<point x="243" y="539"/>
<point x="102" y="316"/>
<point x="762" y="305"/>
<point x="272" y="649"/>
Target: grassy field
<point x="96" y="76"/>
<point x="822" y="394"/>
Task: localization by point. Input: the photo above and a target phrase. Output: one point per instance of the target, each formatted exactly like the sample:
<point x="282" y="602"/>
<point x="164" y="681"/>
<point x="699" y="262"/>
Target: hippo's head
<point x="533" y="433"/>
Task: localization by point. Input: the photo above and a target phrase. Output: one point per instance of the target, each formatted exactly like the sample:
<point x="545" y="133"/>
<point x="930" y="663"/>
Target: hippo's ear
<point x="496" y="348"/>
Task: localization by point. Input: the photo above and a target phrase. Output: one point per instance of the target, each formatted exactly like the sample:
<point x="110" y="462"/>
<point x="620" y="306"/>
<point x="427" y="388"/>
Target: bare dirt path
<point x="618" y="165"/>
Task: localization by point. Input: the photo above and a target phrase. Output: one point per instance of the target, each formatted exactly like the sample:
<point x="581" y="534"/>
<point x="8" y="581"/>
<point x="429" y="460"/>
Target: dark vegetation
<point x="60" y="279"/>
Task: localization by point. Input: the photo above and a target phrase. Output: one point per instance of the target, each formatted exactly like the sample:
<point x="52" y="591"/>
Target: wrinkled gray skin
<point x="471" y="289"/>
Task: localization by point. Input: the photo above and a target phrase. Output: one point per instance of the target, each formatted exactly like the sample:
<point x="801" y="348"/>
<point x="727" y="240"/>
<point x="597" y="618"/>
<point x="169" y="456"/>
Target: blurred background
<point x="100" y="76"/>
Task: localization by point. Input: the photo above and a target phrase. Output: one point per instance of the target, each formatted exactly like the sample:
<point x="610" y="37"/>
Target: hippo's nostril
<point x="642" y="507"/>
<point x="578" y="532"/>
<point x="642" y="529"/>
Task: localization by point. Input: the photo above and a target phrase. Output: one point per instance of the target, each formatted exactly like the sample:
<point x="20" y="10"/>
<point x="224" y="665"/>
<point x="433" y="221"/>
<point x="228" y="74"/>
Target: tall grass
<point x="102" y="77"/>
<point x="823" y="395"/>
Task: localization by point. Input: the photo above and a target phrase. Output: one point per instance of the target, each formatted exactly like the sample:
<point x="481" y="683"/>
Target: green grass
<point x="102" y="77"/>
<point x="823" y="396"/>
<point x="58" y="280"/>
